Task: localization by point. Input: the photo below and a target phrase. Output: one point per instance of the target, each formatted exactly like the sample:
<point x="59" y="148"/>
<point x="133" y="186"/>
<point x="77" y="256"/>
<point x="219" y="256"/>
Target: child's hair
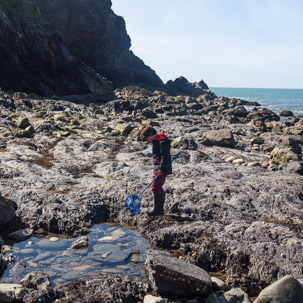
<point x="146" y="130"/>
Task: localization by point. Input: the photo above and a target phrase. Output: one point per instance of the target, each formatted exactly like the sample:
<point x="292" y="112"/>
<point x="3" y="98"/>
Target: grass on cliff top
<point x="26" y="10"/>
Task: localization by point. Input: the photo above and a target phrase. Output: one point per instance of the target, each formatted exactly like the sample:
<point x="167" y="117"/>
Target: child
<point x="161" y="156"/>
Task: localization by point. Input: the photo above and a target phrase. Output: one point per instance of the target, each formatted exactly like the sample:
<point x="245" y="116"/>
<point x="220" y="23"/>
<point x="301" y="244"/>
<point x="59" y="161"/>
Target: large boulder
<point x="221" y="137"/>
<point x="184" y="143"/>
<point x="172" y="276"/>
<point x="287" y="149"/>
<point x="264" y="115"/>
<point x="181" y="86"/>
<point x="285" y="290"/>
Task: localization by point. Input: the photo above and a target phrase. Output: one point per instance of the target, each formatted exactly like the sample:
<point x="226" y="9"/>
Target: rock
<point x="218" y="284"/>
<point x="124" y="129"/>
<point x="11" y="292"/>
<point x="153" y="299"/>
<point x="134" y="135"/>
<point x="108" y="253"/>
<point x="54" y="239"/>
<point x="285" y="290"/>
<point x="184" y="143"/>
<point x="80" y="243"/>
<point x="238" y="161"/>
<point x="172" y="276"/>
<point x="23" y="122"/>
<point x="181" y="86"/>
<point x="36" y="280"/>
<point x="3" y="265"/>
<point x="286" y="113"/>
<point x="236" y="295"/>
<point x="61" y="117"/>
<point x="7" y="211"/>
<point x="29" y="131"/>
<point x="19" y="95"/>
<point x="257" y="140"/>
<point x="107" y="288"/>
<point x="230" y="159"/>
<point x="221" y="137"/>
<point x="21" y="235"/>
<point x="295" y="166"/>
<point x="254" y="164"/>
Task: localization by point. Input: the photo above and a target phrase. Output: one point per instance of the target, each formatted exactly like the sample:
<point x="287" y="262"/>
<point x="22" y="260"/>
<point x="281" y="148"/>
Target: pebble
<point x="153" y="299"/>
<point x="54" y="239"/>
<point x="238" y="161"/>
<point x="230" y="159"/>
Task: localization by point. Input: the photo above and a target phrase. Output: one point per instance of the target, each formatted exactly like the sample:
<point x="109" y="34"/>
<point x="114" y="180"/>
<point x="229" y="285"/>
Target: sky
<point x="227" y="43"/>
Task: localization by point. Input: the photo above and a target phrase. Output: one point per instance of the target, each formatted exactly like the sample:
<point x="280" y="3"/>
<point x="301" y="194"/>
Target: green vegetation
<point x="278" y="159"/>
<point x="22" y="9"/>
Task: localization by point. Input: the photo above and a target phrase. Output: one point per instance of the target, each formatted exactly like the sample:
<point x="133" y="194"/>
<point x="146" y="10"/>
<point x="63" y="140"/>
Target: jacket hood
<point x="161" y="136"/>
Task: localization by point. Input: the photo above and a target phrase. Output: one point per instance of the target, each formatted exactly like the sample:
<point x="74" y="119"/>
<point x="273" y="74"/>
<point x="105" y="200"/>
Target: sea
<point x="277" y="99"/>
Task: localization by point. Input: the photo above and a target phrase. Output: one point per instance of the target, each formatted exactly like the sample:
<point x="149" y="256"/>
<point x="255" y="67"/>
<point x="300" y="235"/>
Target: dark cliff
<point x="97" y="36"/>
<point x="33" y="57"/>
<point x="68" y="47"/>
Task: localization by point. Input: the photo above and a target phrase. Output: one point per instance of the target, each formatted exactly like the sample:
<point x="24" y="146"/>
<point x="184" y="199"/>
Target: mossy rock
<point x="61" y="117"/>
<point x="74" y="121"/>
<point x="115" y="132"/>
<point x="99" y="112"/>
<point x="124" y="129"/>
<point x="39" y="114"/>
<point x="6" y="134"/>
<point x="23" y="122"/>
<point x="63" y="134"/>
<point x="26" y="133"/>
<point x="257" y="140"/>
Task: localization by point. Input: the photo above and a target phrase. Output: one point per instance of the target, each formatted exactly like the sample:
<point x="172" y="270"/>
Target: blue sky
<point x="229" y="43"/>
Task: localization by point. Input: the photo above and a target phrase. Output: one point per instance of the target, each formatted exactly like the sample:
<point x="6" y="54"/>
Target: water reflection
<point x="110" y="250"/>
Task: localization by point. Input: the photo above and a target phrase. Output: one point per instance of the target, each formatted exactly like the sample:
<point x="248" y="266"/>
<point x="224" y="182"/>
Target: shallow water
<point x="111" y="250"/>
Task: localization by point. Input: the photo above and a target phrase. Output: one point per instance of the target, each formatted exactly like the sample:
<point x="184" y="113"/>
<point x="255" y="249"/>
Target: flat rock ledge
<point x="175" y="277"/>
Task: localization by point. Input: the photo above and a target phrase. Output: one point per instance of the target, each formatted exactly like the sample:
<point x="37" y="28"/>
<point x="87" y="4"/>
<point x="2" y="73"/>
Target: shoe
<point x="158" y="206"/>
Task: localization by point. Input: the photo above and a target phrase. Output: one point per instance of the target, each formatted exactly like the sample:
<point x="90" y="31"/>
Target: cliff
<point x="97" y="36"/>
<point x="65" y="47"/>
<point x="33" y="57"/>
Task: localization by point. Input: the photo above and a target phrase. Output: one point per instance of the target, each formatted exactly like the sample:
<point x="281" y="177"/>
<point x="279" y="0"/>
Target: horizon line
<point x="253" y="87"/>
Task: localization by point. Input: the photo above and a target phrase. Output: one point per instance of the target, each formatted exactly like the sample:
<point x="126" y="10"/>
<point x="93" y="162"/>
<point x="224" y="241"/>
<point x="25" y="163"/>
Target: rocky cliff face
<point x="68" y="47"/>
<point x="33" y="58"/>
<point x="97" y="36"/>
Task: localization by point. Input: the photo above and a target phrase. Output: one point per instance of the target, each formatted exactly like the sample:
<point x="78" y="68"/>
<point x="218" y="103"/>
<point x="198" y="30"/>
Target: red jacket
<point x="161" y="154"/>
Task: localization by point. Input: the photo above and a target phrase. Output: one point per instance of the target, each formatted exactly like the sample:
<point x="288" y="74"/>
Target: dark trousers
<point x="156" y="187"/>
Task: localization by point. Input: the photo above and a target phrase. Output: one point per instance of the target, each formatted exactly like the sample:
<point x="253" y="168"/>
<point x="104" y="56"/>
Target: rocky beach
<point x="70" y="154"/>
